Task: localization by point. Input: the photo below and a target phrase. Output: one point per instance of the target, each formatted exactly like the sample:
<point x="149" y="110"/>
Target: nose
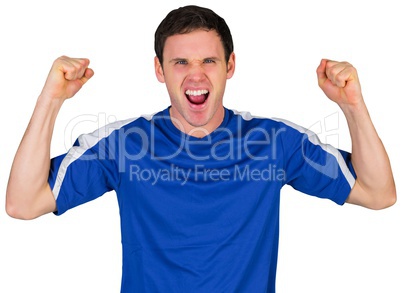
<point x="196" y="72"/>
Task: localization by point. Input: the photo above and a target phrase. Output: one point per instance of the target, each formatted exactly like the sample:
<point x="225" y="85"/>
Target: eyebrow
<point x="177" y="59"/>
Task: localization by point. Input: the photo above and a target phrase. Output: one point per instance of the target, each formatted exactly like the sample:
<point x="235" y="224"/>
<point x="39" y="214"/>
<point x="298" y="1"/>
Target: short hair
<point x="190" y="18"/>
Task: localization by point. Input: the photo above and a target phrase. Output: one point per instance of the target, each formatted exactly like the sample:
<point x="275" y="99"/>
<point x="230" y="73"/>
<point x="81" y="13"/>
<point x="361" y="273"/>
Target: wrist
<point x="48" y="106"/>
<point x="353" y="109"/>
<point x="49" y="102"/>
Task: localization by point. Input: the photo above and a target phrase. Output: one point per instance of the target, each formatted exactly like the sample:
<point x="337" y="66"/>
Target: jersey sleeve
<point x="85" y="172"/>
<point x="315" y="168"/>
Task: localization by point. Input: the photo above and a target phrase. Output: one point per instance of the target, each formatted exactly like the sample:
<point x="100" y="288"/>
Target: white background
<point x="278" y="45"/>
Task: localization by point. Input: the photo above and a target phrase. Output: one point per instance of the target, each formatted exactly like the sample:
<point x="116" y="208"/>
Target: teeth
<point x="196" y="93"/>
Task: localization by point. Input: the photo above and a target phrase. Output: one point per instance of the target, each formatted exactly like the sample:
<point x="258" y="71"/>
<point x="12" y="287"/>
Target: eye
<point x="181" y="62"/>
<point x="209" y="61"/>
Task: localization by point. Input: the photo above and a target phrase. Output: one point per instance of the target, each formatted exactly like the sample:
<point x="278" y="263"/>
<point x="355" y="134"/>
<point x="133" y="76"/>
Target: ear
<point x="159" y="70"/>
<point x="231" y="66"/>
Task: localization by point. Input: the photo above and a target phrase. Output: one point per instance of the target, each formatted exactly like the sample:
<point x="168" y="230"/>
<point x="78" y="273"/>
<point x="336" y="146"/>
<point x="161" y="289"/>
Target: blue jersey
<point x="199" y="214"/>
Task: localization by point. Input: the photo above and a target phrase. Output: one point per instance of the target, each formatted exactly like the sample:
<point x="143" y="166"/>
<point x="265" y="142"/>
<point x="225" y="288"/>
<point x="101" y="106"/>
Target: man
<point x="197" y="184"/>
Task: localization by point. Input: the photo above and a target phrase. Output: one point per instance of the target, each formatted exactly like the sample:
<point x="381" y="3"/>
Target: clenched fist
<point x="340" y="82"/>
<point x="66" y="77"/>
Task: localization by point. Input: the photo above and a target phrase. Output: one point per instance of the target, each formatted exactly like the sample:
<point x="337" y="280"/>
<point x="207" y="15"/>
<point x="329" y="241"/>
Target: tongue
<point x="197" y="99"/>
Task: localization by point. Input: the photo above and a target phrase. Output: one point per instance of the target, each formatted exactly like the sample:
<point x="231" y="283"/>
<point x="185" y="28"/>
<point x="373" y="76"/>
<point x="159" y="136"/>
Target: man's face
<point x="195" y="73"/>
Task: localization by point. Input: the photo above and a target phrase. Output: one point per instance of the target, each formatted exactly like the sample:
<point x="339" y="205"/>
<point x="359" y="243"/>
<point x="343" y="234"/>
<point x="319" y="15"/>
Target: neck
<point x="201" y="130"/>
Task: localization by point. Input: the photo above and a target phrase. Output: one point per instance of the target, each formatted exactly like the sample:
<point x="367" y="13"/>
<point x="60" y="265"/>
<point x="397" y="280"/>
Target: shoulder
<point x="115" y="129"/>
<point x="250" y="120"/>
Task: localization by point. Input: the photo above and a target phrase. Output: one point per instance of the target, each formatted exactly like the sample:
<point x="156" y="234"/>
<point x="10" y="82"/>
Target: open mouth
<point x="197" y="97"/>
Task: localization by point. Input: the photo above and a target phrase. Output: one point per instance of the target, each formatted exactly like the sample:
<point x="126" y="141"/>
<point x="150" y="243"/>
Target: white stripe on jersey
<point x="87" y="141"/>
<point x="313" y="138"/>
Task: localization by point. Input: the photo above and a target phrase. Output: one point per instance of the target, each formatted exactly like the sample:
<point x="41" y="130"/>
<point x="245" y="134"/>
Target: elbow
<point x="29" y="206"/>
<point x="18" y="210"/>
<point x="378" y="198"/>
<point x="14" y="212"/>
<point x="19" y="214"/>
<point x="391" y="199"/>
<point x="387" y="200"/>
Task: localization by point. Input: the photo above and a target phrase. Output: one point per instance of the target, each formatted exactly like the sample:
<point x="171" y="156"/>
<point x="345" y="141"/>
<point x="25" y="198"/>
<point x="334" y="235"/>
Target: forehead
<point x="199" y="43"/>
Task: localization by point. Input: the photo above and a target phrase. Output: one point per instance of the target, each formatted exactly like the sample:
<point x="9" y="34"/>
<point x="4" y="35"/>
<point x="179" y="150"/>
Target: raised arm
<point x="28" y="192"/>
<point x="375" y="186"/>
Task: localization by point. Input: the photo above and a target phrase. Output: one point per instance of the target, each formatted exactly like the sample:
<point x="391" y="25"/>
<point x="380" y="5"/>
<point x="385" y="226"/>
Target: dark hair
<point x="190" y="18"/>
